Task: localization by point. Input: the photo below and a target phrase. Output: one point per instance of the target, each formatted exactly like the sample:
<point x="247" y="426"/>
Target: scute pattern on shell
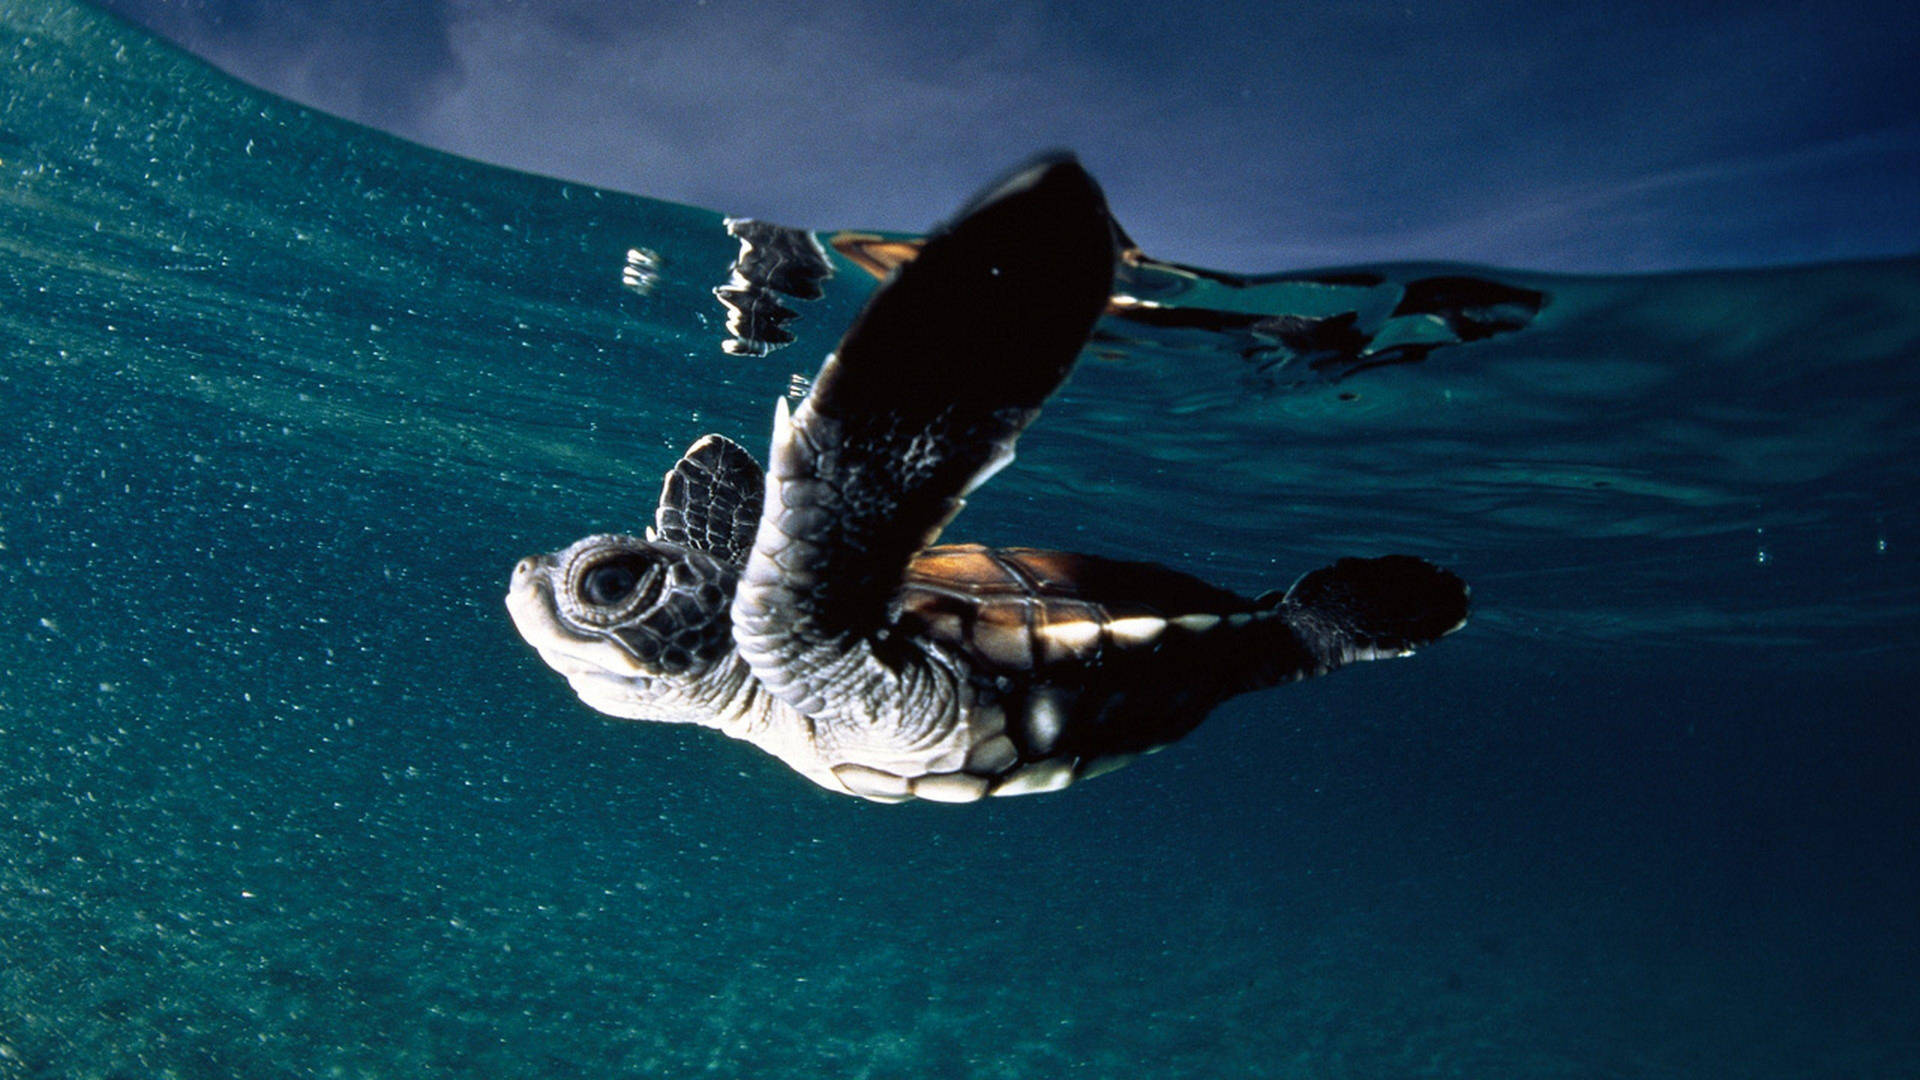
<point x="1022" y="609"/>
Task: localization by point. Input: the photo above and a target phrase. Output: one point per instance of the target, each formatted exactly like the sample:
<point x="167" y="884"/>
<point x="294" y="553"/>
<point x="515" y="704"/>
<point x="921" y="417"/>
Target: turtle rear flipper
<point x="1367" y="609"/>
<point x="922" y="402"/>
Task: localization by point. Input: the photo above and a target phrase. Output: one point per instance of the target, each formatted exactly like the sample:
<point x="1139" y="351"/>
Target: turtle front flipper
<point x="922" y="401"/>
<point x="710" y="500"/>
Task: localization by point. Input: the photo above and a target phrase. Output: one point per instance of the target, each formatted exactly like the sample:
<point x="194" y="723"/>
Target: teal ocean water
<point x="283" y="794"/>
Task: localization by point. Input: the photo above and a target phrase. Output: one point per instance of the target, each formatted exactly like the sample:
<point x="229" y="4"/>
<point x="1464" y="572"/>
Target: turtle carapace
<point x="805" y="609"/>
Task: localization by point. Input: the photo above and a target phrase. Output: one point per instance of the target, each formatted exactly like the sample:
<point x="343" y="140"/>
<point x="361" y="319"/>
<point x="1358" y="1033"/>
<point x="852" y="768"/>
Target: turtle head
<point x="640" y="628"/>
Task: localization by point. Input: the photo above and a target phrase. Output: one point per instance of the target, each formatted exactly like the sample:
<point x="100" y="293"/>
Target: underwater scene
<point x="284" y="794"/>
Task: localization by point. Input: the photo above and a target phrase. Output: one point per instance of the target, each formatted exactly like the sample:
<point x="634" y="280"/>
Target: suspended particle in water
<point x="1760" y="555"/>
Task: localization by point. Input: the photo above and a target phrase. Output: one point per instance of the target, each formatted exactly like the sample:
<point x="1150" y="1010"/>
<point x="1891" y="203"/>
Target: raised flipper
<point x="923" y="401"/>
<point x="711" y="500"/>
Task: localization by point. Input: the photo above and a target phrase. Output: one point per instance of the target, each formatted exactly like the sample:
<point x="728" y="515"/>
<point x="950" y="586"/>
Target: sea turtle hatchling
<point x="804" y="610"/>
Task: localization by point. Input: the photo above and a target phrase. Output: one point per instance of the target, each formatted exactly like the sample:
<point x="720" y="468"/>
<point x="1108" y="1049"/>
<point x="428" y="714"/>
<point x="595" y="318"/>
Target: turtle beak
<point x="535" y="614"/>
<point x="527" y="568"/>
<point x="530" y="601"/>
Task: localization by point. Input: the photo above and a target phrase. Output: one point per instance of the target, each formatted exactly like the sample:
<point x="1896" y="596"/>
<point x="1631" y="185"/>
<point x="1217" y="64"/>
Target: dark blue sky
<point x="1250" y="136"/>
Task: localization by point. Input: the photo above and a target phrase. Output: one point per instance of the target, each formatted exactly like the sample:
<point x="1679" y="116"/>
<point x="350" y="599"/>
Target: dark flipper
<point x="1366" y="609"/>
<point x="923" y="401"/>
<point x="711" y="500"/>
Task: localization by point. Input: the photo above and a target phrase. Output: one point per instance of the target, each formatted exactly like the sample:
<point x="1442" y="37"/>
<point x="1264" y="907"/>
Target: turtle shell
<point x="1027" y="611"/>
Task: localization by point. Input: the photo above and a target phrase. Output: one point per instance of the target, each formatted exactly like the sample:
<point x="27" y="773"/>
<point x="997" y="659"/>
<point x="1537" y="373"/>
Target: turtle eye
<point x="611" y="582"/>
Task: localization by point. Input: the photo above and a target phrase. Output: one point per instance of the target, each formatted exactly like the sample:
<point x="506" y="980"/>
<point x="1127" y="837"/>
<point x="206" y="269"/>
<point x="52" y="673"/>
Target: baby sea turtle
<point x="804" y="610"/>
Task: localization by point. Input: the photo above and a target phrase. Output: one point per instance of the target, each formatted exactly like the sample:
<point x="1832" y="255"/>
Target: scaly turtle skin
<point x="804" y="609"/>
